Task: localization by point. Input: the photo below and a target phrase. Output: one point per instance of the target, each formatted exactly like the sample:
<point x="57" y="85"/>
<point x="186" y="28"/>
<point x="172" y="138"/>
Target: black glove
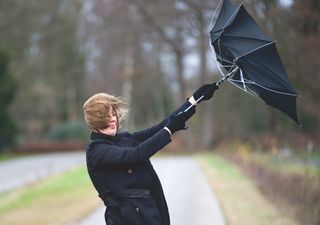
<point x="177" y="122"/>
<point x="206" y="91"/>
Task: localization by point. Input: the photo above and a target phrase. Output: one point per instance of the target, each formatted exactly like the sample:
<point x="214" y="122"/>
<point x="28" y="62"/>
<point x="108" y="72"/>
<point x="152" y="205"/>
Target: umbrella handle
<point x="196" y="101"/>
<point x="217" y="84"/>
<point x="231" y="73"/>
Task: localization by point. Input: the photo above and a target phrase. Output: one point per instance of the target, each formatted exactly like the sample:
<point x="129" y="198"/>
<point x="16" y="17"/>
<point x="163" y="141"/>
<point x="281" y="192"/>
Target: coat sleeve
<point x="147" y="133"/>
<point x="103" y="154"/>
<point x="143" y="135"/>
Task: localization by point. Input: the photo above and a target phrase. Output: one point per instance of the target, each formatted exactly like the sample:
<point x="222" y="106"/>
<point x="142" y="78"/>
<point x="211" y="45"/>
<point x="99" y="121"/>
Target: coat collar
<point x="118" y="136"/>
<point x="95" y="136"/>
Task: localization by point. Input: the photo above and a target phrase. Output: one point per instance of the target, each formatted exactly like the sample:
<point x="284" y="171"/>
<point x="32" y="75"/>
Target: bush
<point x="69" y="131"/>
<point x="8" y="87"/>
<point x="294" y="194"/>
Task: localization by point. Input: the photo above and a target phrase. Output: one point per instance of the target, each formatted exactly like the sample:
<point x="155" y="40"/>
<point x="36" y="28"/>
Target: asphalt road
<point x="189" y="197"/>
<point x="22" y="171"/>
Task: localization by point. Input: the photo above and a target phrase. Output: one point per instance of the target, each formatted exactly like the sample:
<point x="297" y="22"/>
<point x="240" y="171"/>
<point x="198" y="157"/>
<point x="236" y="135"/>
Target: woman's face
<point x="112" y="122"/>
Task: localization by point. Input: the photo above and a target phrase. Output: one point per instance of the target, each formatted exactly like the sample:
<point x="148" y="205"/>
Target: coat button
<point x="129" y="171"/>
<point x="138" y="210"/>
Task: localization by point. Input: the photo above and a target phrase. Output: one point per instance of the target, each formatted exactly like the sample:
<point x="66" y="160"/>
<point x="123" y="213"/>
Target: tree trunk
<point x="206" y="112"/>
<point x="180" y="71"/>
<point x="127" y="86"/>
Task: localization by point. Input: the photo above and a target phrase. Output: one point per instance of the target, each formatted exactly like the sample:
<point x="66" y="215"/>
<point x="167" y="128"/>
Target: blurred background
<point x="54" y="55"/>
<point x="155" y="53"/>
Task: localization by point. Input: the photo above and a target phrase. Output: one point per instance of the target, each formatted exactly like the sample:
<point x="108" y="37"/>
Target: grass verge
<point x="293" y="187"/>
<point x="61" y="199"/>
<point x="290" y="165"/>
<point x="239" y="198"/>
<point x="9" y="156"/>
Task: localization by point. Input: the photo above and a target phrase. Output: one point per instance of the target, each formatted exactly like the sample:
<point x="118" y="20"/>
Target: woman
<point x="118" y="162"/>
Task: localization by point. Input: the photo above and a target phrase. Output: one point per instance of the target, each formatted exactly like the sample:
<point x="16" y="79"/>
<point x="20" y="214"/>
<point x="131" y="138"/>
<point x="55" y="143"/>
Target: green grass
<point x="241" y="201"/>
<point x="9" y="156"/>
<point x="70" y="194"/>
<point x="56" y="186"/>
<point x="290" y="165"/>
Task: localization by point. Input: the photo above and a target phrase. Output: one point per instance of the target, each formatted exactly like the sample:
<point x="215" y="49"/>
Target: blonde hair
<point x="96" y="110"/>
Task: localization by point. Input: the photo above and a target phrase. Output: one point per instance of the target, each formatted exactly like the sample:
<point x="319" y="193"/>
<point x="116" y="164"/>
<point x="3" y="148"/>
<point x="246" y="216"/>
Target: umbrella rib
<point x="236" y="11"/>
<point x="280" y="79"/>
<point x="230" y="73"/>
<point x="219" y="67"/>
<point x="242" y="80"/>
<point x="216" y="60"/>
<point x="231" y="15"/>
<point x="266" y="88"/>
<point x="246" y="38"/>
<point x="225" y="60"/>
<point x="278" y="92"/>
<point x="220" y="58"/>
<point x="219" y="48"/>
<point x="256" y="49"/>
<point x="247" y="91"/>
<point x="214" y="13"/>
<point x="233" y="63"/>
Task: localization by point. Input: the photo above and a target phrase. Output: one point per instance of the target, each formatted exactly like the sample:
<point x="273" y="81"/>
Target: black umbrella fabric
<point x="250" y="59"/>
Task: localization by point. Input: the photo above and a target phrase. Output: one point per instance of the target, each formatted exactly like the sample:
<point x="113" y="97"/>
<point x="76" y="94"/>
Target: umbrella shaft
<point x="231" y="73"/>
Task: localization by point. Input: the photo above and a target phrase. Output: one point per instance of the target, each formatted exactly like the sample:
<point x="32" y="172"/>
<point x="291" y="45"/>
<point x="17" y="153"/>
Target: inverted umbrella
<point x="250" y="60"/>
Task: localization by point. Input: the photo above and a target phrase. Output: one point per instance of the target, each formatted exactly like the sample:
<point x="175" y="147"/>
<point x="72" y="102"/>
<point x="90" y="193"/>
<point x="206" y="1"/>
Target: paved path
<point x="189" y="197"/>
<point x="18" y="172"/>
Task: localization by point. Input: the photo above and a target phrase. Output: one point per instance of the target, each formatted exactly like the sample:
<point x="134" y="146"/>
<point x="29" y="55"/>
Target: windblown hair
<point x="96" y="110"/>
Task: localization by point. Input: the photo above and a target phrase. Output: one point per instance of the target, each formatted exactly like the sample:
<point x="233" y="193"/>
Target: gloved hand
<point x="206" y="91"/>
<point x="177" y="122"/>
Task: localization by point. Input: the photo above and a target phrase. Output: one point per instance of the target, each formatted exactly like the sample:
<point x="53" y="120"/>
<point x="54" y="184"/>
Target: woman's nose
<point x="112" y="118"/>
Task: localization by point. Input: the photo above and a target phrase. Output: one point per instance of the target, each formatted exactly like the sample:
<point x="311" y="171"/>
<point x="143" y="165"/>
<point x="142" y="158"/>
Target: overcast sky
<point x="286" y="2"/>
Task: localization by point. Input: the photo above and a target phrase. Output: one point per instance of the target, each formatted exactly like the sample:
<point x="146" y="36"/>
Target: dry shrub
<point x="296" y="195"/>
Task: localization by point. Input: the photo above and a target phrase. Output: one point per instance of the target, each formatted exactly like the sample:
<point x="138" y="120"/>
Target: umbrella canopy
<point x="250" y="59"/>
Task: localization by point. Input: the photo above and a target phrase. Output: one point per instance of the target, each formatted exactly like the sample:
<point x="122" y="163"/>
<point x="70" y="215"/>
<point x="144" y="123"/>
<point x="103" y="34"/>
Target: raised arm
<point x="102" y="154"/>
<point x="147" y="133"/>
<point x="205" y="92"/>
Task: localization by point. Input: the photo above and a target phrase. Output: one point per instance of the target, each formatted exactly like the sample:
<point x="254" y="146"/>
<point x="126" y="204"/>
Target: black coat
<point x="120" y="170"/>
